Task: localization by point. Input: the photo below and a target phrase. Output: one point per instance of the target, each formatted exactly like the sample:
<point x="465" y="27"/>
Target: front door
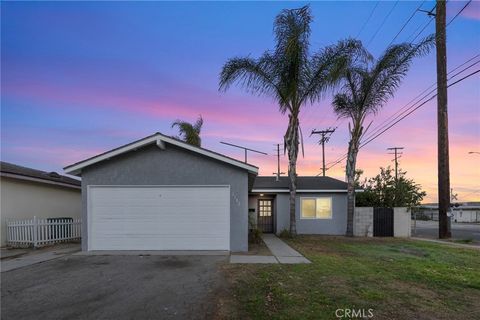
<point x="265" y="215"/>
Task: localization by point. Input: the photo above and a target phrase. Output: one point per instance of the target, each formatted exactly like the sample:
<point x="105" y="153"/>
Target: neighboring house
<point x="467" y="213"/>
<point x="27" y="192"/>
<point x="462" y="212"/>
<point x="159" y="193"/>
<point x="321" y="205"/>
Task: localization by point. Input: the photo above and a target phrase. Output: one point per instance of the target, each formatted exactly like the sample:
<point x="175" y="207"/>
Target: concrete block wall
<point x="363" y="222"/>
<point x="402" y="222"/>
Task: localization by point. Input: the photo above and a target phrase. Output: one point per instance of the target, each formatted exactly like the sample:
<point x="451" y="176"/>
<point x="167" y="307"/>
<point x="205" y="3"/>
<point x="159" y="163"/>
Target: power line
<point x="381" y="25"/>
<point x="405" y="24"/>
<point x="368" y="20"/>
<point x="421" y="96"/>
<point x="423" y="103"/>
<point x="458" y="13"/>
<point x="405" y="109"/>
<point x="423" y="29"/>
<point x="431" y="15"/>
<point x="403" y="117"/>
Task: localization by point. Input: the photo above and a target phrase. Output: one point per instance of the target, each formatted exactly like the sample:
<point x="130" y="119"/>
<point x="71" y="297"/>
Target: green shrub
<point x="285" y="234"/>
<point x="255" y="235"/>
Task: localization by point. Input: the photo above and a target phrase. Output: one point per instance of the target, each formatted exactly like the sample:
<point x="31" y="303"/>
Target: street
<point x="460" y="231"/>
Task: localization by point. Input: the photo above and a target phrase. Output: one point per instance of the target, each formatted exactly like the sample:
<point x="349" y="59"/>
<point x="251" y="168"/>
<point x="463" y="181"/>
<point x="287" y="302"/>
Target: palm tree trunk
<point x="291" y="140"/>
<point x="292" y="174"/>
<point x="351" y="163"/>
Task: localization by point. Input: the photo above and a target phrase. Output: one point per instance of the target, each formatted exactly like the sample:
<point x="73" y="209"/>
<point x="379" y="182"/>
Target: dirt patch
<point x="413" y="251"/>
<point x="255" y="249"/>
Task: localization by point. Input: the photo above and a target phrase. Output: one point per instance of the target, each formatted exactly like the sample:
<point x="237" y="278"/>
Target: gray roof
<point x="303" y="183"/>
<point x="13" y="169"/>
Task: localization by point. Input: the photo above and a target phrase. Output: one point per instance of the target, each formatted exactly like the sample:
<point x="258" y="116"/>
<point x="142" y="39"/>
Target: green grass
<point x="463" y="241"/>
<point x="398" y="279"/>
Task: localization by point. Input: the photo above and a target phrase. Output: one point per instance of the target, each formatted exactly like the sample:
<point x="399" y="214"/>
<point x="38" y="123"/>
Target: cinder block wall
<point x="363" y="222"/>
<point x="402" y="222"/>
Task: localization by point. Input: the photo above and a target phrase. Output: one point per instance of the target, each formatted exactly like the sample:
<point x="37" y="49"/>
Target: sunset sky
<point x="80" y="78"/>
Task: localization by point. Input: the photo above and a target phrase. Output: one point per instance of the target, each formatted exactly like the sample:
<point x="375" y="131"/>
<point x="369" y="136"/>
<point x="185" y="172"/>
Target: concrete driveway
<point x="114" y="287"/>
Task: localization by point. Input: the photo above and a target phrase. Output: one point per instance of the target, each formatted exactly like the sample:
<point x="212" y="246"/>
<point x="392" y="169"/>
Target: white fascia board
<point x="210" y="154"/>
<point x="159" y="140"/>
<point x="299" y="191"/>
<point x="75" y="169"/>
<point x="161" y="144"/>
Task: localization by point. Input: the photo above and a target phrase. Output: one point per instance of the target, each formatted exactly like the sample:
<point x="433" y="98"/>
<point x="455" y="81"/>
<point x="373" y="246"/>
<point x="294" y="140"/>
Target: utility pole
<point x="442" y="122"/>
<point x="325" y="136"/>
<point x="396" y="153"/>
<point x="278" y="173"/>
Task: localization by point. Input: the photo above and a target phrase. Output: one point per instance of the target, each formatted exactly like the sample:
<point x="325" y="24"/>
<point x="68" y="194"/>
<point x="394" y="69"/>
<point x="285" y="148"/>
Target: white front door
<point x="159" y="218"/>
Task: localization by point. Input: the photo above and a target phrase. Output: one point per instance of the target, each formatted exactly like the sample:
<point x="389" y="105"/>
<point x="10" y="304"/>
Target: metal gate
<point x="383" y="222"/>
<point x="265" y="215"/>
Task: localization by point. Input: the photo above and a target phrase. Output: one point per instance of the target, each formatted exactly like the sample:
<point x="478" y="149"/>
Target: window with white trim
<point x="316" y="208"/>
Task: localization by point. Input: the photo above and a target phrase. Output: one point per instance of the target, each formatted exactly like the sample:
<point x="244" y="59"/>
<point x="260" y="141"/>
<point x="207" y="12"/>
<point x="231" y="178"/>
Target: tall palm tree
<point x="190" y="133"/>
<point x="367" y="85"/>
<point x="291" y="76"/>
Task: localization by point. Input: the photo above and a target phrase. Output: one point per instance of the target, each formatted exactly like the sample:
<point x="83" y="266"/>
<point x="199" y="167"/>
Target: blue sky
<point x="80" y="78"/>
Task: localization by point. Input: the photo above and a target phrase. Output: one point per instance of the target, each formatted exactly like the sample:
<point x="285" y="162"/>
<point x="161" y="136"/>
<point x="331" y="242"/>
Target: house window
<point x="316" y="208"/>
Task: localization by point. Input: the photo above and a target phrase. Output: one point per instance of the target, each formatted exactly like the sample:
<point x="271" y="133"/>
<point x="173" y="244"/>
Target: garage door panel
<point x="159" y="218"/>
<point x="164" y="230"/>
<point x="134" y="243"/>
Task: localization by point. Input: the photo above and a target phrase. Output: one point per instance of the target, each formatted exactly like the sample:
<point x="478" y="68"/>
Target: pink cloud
<point x="57" y="156"/>
<point x="472" y="11"/>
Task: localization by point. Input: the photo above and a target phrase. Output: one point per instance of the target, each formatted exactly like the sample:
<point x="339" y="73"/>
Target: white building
<point x="27" y="192"/>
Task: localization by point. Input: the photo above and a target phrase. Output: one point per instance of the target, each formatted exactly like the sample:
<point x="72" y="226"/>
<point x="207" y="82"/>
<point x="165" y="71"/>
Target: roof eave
<point x="270" y="190"/>
<point x="159" y="140"/>
<point x="39" y="180"/>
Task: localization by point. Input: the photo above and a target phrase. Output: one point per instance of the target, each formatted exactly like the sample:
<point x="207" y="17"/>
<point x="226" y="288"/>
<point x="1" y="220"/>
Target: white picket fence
<point x="39" y="232"/>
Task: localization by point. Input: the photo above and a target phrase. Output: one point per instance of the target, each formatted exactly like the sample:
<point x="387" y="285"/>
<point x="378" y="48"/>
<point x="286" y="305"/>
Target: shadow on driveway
<point x="113" y="287"/>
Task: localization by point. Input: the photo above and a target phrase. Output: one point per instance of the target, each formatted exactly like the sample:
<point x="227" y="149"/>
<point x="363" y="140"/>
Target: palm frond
<point x="292" y="34"/>
<point x="366" y="88"/>
<point x="255" y="76"/>
<point x="390" y="69"/>
<point x="198" y="124"/>
<point x="188" y="132"/>
<point x="329" y="65"/>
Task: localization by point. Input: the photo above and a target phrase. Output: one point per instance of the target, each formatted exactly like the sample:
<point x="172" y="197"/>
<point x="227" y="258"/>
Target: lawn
<point x="398" y="279"/>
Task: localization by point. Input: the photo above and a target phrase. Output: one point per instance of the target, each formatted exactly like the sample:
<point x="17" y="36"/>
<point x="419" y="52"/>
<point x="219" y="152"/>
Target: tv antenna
<point x="244" y="148"/>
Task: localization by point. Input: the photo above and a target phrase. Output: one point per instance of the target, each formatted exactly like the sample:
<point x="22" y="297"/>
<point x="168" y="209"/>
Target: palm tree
<point x="291" y="76"/>
<point x="190" y="133"/>
<point x="367" y="84"/>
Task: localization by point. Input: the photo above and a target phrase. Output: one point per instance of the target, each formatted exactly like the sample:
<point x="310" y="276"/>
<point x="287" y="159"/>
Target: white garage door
<point x="159" y="218"/>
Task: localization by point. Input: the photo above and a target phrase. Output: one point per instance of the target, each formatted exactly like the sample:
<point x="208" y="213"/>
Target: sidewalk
<point x="282" y="253"/>
<point x="38" y="256"/>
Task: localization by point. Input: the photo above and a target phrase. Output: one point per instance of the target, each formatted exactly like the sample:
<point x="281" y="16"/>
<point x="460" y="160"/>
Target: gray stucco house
<point x="159" y="193"/>
<point x="321" y="205"/>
